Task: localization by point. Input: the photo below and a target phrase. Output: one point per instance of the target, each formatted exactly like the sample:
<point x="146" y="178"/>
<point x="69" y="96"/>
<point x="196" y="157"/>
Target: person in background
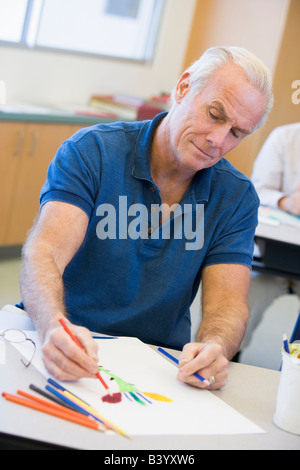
<point x="276" y="177"/>
<point x="119" y="284"/>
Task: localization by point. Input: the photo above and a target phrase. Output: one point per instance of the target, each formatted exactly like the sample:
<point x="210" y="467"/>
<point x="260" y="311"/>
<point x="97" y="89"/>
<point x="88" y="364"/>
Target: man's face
<point x="205" y="128"/>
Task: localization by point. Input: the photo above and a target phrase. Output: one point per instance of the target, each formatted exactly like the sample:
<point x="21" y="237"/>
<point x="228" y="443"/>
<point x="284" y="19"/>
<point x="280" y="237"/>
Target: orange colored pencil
<point x="51" y="411"/>
<point x="58" y="407"/>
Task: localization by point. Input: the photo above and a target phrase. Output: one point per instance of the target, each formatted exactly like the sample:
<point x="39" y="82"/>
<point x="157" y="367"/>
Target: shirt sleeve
<point x="268" y="172"/>
<point x="73" y="176"/>
<point x="234" y="244"/>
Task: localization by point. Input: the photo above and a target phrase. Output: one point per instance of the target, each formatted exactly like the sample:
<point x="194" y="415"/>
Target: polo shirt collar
<point x="200" y="188"/>
<point x="141" y="162"/>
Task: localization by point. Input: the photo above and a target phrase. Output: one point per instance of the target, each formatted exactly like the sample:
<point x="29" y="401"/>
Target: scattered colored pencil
<point x="63" y="389"/>
<point x="73" y="337"/>
<point x="50" y="397"/>
<point x="70" y="398"/>
<point x="202" y="379"/>
<point x="33" y="404"/>
<point x="66" y="400"/>
<point x="94" y="413"/>
<point x="58" y="407"/>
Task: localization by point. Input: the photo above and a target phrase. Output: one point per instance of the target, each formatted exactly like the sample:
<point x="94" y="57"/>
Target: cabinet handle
<point x="35" y="138"/>
<point x="20" y="144"/>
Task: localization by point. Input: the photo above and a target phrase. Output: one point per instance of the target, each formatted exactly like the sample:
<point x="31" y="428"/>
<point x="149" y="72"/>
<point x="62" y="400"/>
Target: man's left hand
<point x="205" y="359"/>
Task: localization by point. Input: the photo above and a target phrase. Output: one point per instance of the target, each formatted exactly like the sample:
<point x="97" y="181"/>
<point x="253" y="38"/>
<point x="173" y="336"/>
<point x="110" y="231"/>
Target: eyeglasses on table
<point x="15" y="336"/>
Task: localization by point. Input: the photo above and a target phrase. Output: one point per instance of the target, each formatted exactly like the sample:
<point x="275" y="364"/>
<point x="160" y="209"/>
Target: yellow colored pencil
<point x="95" y="413"/>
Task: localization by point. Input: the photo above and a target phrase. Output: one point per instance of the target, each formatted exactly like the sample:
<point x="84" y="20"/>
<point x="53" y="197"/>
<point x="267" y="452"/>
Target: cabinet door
<point x="40" y="145"/>
<point x="12" y="139"/>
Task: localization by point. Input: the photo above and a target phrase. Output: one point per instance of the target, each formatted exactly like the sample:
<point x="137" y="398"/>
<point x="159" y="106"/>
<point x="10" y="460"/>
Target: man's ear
<point x="182" y="87"/>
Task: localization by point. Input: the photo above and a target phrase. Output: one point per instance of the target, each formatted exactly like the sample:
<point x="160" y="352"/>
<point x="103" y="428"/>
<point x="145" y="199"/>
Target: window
<point x="118" y="28"/>
<point x="128" y="8"/>
<point x="12" y="19"/>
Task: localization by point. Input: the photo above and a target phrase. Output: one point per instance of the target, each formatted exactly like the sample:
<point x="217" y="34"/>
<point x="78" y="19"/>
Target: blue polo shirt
<point x="135" y="280"/>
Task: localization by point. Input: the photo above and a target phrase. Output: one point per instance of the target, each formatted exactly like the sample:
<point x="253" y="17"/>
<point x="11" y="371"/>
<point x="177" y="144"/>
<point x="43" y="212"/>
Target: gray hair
<point x="215" y="57"/>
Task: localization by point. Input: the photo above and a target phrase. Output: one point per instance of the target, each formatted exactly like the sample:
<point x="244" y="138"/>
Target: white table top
<point x="252" y="391"/>
<point x="279" y="232"/>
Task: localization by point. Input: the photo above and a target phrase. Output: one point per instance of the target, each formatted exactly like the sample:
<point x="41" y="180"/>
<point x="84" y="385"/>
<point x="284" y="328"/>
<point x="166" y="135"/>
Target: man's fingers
<point x="89" y="345"/>
<point x="206" y="360"/>
<point x="65" y="360"/>
<point x="63" y="369"/>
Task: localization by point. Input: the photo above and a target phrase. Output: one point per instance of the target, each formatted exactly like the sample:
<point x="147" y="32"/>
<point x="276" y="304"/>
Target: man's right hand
<point x="64" y="359"/>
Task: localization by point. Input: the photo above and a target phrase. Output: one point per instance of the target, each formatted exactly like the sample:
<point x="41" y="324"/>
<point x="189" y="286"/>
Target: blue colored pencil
<point x="286" y="344"/>
<point x="63" y="389"/>
<point x="54" y="399"/>
<point x="105" y="337"/>
<point x="70" y="402"/>
<point x="202" y="379"/>
<point x="66" y="400"/>
<point x="93" y="413"/>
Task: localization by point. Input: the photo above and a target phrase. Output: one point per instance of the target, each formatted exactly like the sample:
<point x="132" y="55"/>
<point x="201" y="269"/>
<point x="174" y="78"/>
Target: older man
<point x="101" y="256"/>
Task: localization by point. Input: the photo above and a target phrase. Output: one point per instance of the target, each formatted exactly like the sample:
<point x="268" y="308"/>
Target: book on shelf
<point x="131" y="108"/>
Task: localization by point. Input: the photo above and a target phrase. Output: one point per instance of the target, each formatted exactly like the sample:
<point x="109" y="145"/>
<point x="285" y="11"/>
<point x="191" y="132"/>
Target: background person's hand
<point x="291" y="203"/>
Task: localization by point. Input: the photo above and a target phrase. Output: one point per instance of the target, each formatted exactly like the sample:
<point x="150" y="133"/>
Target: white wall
<point x="51" y="78"/>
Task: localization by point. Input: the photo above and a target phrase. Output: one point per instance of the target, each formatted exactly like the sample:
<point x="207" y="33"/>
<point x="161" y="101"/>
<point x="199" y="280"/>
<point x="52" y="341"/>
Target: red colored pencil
<point x="67" y="330"/>
<point x="73" y="337"/>
<point x="98" y="375"/>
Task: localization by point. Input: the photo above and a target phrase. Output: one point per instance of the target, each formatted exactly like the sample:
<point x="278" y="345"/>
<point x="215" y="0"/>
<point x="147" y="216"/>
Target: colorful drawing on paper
<point x="131" y="392"/>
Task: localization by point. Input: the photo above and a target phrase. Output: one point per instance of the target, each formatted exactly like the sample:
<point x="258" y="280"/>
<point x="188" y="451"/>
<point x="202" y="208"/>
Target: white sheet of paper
<point x="192" y="411"/>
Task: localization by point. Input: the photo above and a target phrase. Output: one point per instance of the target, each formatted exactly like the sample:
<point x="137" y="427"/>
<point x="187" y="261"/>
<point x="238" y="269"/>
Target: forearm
<point x="225" y="310"/>
<point x="51" y="245"/>
<point x="42" y="288"/>
<point x="225" y="325"/>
